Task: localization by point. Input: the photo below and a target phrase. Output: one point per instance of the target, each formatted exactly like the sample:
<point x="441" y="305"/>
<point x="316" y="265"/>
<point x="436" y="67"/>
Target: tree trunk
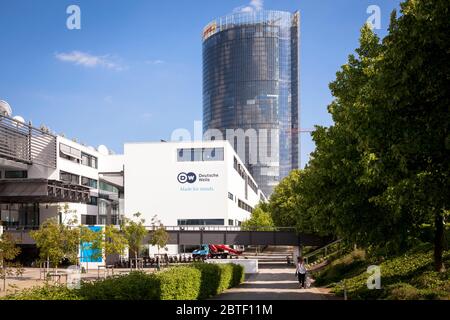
<point x="439" y="242"/>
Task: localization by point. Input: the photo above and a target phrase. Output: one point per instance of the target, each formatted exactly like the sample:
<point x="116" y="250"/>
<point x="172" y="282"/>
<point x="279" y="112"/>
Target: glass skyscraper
<point x="250" y="83"/>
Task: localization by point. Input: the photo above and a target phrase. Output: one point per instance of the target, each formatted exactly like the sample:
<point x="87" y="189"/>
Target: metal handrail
<point x="221" y="228"/>
<point x="24" y="143"/>
<point x="317" y="251"/>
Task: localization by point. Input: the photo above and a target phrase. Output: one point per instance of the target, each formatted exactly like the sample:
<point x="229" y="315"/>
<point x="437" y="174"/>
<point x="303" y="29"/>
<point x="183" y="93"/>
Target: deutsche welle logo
<point x="187" y="177"/>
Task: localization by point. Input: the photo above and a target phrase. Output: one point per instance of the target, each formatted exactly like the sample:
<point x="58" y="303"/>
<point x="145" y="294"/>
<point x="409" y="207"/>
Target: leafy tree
<point x="160" y="237"/>
<point x="410" y="151"/>
<point x="8" y="251"/>
<point x="115" y="241"/>
<point x="259" y="220"/>
<point x="58" y="241"/>
<point x="382" y="170"/>
<point x="283" y="201"/>
<point x="134" y="232"/>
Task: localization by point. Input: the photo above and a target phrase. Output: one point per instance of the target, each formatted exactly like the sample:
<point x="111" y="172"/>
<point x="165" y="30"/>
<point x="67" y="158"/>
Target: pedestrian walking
<point x="300" y="272"/>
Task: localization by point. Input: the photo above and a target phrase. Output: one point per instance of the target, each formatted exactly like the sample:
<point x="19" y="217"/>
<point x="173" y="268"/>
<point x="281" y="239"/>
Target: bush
<point x="216" y="277"/>
<point x="403" y="291"/>
<point x="182" y="283"/>
<point x="210" y="279"/>
<point x="226" y="277"/>
<point x="47" y="292"/>
<point x="350" y="264"/>
<point x="238" y="275"/>
<point x="197" y="281"/>
<point x="134" y="286"/>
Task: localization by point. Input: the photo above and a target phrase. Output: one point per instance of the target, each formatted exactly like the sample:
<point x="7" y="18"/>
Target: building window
<point x="230" y="196"/>
<point x="88" y="160"/>
<point x="89" y="220"/>
<point x="230" y="222"/>
<point x="69" y="153"/>
<point x="108" y="187"/>
<point x="69" y="177"/>
<point x="244" y="206"/>
<point x="16" y="174"/>
<point x="252" y="185"/>
<point x="200" y="154"/>
<point x="88" y="182"/>
<point x="93" y="201"/>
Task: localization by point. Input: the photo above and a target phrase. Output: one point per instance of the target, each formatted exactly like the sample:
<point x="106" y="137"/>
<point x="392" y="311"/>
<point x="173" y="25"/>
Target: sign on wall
<point x="192" y="181"/>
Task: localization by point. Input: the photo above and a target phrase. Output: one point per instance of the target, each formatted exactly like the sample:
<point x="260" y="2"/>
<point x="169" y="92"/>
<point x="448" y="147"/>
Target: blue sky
<point x="134" y="70"/>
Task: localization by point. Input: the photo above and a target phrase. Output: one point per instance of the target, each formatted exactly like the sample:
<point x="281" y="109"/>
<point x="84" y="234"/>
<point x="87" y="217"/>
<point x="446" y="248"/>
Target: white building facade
<point x="188" y="183"/>
<point x="181" y="183"/>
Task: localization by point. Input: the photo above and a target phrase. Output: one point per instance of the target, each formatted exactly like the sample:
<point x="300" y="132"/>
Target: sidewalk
<point x="275" y="281"/>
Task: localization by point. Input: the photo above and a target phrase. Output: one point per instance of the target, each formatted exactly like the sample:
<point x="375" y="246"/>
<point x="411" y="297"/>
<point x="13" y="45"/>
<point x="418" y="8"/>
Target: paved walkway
<point x="275" y="281"/>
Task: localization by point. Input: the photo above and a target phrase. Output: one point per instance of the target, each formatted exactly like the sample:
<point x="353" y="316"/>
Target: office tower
<point x="250" y="84"/>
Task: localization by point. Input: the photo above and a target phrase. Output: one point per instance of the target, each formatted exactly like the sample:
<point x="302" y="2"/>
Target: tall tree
<point x="135" y="232"/>
<point x="8" y="252"/>
<point x="115" y="241"/>
<point x="57" y="241"/>
<point x="260" y="220"/>
<point x="160" y="237"/>
<point x="382" y="169"/>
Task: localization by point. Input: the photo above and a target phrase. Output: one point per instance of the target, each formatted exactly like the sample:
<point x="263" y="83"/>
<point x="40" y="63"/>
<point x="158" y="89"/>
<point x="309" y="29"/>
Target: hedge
<point x="196" y="281"/>
<point x="216" y="278"/>
<point x="181" y="283"/>
<point x="46" y="292"/>
<point x="134" y="286"/>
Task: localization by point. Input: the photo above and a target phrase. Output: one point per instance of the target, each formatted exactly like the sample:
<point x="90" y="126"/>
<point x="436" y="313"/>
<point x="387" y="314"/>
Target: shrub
<point x="182" y="283"/>
<point x="226" y="276"/>
<point x="210" y="279"/>
<point x="238" y="275"/>
<point x="350" y="264"/>
<point x="134" y="286"/>
<point x="218" y="277"/>
<point x="403" y="291"/>
<point x="197" y="281"/>
<point x="47" y="292"/>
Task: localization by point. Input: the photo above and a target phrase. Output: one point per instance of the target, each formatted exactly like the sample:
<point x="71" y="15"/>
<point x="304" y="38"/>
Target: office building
<point x="250" y="83"/>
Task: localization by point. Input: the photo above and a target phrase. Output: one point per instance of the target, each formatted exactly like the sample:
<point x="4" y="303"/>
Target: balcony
<point x="25" y="144"/>
<point x="42" y="191"/>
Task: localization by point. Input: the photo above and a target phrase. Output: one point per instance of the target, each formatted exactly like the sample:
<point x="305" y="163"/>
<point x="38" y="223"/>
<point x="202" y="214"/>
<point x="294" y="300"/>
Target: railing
<point x="323" y="252"/>
<point x="23" y="143"/>
<point x="221" y="228"/>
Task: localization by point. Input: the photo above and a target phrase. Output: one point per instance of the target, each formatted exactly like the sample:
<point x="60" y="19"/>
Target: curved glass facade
<point x="250" y="82"/>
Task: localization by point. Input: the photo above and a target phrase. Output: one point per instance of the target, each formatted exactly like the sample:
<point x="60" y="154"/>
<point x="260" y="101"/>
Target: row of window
<point x="75" y="179"/>
<point x="244" y="206"/>
<point x="77" y="156"/>
<point x="240" y="170"/>
<point x="15" y="174"/>
<point x="108" y="187"/>
<point x="200" y="154"/>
